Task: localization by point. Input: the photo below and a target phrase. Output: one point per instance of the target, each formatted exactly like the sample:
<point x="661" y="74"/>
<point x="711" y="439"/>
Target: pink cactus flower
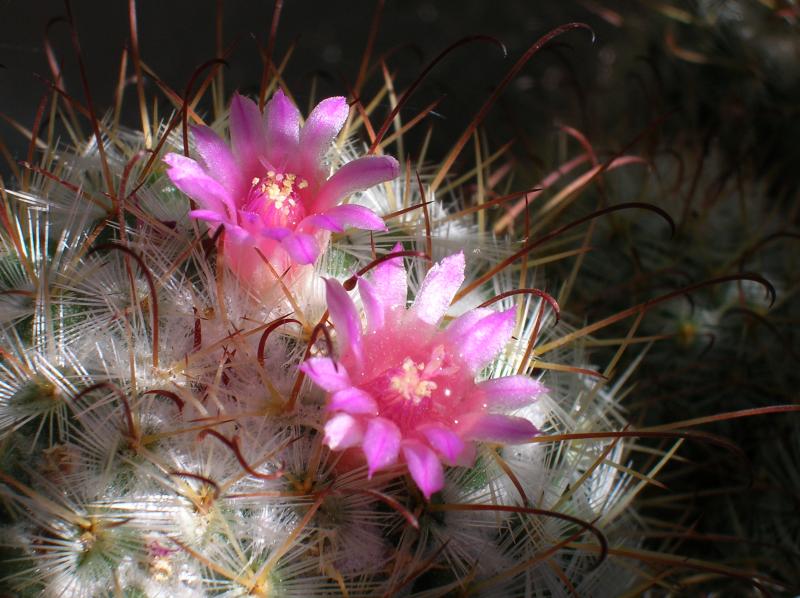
<point x="403" y="389"/>
<point x="270" y="189"/>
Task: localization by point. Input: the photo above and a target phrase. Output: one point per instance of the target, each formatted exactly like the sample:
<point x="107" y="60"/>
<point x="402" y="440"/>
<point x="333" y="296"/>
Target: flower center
<point x="275" y="196"/>
<point x="418" y="386"/>
<point x="410" y="385"/>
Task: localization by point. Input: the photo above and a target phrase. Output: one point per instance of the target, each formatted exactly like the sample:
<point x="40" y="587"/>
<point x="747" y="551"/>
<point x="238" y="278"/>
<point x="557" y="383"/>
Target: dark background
<point x="569" y="82"/>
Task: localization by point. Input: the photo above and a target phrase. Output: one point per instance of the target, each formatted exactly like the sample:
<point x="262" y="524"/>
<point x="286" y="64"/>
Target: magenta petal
<point x="424" y="467"/>
<point x="446" y="442"/>
<point x="326" y="373"/>
<point x="207" y="215"/>
<point x="486" y="338"/>
<point x="323" y="124"/>
<point x="391" y="282"/>
<point x="301" y="247"/>
<point x="338" y="217"/>
<point x="465" y="322"/>
<point x="467" y="456"/>
<point x="357" y="175"/>
<point x="381" y="444"/>
<point x="282" y="120"/>
<point x="510" y="392"/>
<point x="492" y="427"/>
<point x="217" y="159"/>
<point x="343" y="431"/>
<point x="247" y="135"/>
<point x="438" y="289"/>
<point x="372" y="305"/>
<point x="276" y="233"/>
<point x="353" y="400"/>
<point x="237" y="234"/>
<point x="345" y="318"/>
<point x="254" y="225"/>
<point x="187" y="176"/>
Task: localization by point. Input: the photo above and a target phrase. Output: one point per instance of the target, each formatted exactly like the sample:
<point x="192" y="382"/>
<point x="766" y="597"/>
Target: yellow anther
<point x="409" y="385"/>
<point x="280" y="187"/>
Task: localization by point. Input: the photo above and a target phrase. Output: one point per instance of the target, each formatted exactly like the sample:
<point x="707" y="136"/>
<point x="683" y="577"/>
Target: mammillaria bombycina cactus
<point x="183" y="414"/>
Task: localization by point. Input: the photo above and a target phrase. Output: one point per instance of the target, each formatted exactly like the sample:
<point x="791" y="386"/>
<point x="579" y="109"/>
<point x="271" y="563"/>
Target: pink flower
<point x="270" y="190"/>
<point x="404" y="389"/>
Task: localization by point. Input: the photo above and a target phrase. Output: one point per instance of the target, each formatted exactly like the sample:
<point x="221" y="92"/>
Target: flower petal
<point x="343" y="431"/>
<point x="247" y="135"/>
<point x="217" y="159"/>
<point x="465" y="322"/>
<point x="353" y="400"/>
<point x="238" y="235"/>
<point x="326" y="373"/>
<point x="391" y="281"/>
<point x="338" y="217"/>
<point x="187" y="176"/>
<point x="510" y="392"/>
<point x="372" y="305"/>
<point x="323" y="124"/>
<point x="381" y="444"/>
<point x="301" y="247"/>
<point x="438" y="289"/>
<point x="467" y="456"/>
<point x="282" y="124"/>
<point x="481" y="343"/>
<point x="357" y="175"/>
<point x="424" y="467"/>
<point x="446" y="442"/>
<point x="276" y="233"/>
<point x="207" y="215"/>
<point x="345" y="319"/>
<point x="492" y="427"/>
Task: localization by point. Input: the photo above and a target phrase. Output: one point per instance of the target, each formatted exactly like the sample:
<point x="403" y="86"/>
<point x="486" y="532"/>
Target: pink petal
<point x="282" y="123"/>
<point x="353" y="400"/>
<point x="481" y="343"/>
<point x="372" y="305"/>
<point x="467" y="456"/>
<point x="238" y="235"/>
<point x="510" y="391"/>
<point x="465" y="322"/>
<point x="254" y="225"/>
<point x="345" y="319"/>
<point x="207" y="215"/>
<point x="343" y="431"/>
<point x="301" y="247"/>
<point x="338" y="217"/>
<point x="381" y="444"/>
<point x="390" y="281"/>
<point x="424" y="467"/>
<point x="326" y="373"/>
<point x="276" y="233"/>
<point x="492" y="427"/>
<point x="247" y="135"/>
<point x="187" y="176"/>
<point x="438" y="289"/>
<point x="217" y="159"/>
<point x="323" y="124"/>
<point x="354" y="176"/>
<point x="446" y="442"/>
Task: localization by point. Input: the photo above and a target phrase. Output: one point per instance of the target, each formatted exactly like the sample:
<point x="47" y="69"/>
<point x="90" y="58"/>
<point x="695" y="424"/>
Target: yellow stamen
<point x="280" y="188"/>
<point x="409" y="385"/>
